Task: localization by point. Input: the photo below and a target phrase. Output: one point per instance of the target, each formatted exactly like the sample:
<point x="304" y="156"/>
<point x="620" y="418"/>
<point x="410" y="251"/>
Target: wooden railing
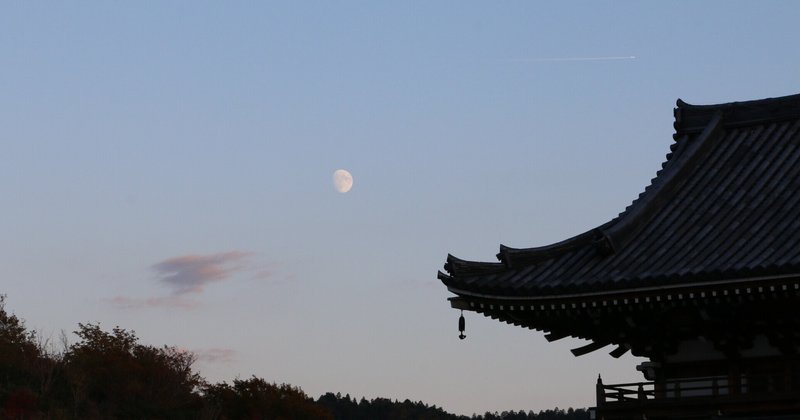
<point x="701" y="397"/>
<point x="707" y="386"/>
<point x="640" y="391"/>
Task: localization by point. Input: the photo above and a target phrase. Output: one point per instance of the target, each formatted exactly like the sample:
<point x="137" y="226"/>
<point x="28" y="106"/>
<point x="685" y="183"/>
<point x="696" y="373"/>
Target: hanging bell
<point x="461" y="325"/>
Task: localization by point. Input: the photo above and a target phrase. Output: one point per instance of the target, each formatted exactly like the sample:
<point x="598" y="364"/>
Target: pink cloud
<point x="264" y="274"/>
<point x="188" y="275"/>
<point x="191" y="273"/>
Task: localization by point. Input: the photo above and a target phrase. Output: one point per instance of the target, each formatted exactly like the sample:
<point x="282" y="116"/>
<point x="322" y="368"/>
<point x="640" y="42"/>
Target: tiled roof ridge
<point x="456" y="265"/>
<point x="697" y="127"/>
<point x="684" y="158"/>
<point x="611" y="236"/>
<point x="692" y="119"/>
<point x="513" y="256"/>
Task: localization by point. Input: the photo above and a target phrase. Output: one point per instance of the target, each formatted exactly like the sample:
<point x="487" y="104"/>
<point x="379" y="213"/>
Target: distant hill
<point x="347" y="408"/>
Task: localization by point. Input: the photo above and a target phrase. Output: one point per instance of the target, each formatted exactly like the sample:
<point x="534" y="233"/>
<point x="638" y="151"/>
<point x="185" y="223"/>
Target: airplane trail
<point x="556" y="59"/>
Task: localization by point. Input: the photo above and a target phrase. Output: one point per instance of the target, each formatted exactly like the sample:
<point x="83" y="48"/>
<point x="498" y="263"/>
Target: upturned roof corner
<point x="731" y="165"/>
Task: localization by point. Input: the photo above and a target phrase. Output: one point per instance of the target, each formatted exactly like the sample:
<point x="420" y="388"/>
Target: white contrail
<point x="540" y="60"/>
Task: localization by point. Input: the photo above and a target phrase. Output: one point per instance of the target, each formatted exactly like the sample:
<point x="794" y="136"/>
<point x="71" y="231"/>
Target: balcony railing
<point x="710" y="394"/>
<point x="640" y="391"/>
<point x="708" y="386"/>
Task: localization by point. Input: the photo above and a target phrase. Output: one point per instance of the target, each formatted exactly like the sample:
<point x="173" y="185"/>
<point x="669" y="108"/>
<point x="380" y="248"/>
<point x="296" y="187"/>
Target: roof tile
<point x="725" y="205"/>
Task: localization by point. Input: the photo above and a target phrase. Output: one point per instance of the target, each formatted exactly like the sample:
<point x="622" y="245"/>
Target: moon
<point x="342" y="181"/>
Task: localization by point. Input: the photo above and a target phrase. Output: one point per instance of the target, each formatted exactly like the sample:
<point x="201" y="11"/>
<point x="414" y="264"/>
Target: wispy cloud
<point x="557" y="59"/>
<point x="188" y="275"/>
<point x="191" y="273"/>
<point x="125" y="302"/>
<point x="215" y="355"/>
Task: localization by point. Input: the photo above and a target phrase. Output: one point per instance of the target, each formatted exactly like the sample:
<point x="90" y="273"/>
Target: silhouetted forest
<point x="109" y="374"/>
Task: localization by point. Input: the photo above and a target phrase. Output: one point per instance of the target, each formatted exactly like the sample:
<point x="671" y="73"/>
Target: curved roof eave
<point x="608" y="237"/>
<point x="697" y="129"/>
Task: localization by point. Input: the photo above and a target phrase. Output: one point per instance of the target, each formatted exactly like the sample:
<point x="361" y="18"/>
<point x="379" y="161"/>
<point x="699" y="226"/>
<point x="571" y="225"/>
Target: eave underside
<point x="652" y="324"/>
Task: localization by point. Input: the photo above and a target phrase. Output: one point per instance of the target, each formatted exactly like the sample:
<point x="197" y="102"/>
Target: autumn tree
<point x="111" y="375"/>
<point x="19" y="357"/>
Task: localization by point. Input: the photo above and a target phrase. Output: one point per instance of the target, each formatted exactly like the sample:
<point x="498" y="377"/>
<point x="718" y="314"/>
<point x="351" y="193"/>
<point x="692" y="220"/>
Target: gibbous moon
<point x="342" y="180"/>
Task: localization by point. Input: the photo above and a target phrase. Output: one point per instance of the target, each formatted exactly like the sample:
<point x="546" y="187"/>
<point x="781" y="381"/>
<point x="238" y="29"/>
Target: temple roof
<point x="724" y="207"/>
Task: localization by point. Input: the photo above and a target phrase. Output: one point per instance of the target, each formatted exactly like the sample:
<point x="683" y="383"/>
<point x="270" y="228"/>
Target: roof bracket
<point x="580" y="351"/>
<point x="553" y="336"/>
<point x="619" y="351"/>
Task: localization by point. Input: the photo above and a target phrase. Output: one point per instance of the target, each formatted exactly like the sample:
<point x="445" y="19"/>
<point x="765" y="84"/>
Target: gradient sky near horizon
<point x="166" y="167"/>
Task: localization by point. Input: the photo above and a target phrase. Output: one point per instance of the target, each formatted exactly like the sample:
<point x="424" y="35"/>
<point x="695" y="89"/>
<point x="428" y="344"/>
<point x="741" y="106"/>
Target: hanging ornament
<point x="461" y="325"/>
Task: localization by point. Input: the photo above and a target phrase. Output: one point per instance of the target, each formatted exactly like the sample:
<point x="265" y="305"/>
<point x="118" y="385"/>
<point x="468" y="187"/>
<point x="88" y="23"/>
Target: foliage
<point x="109" y="374"/>
<point x="255" y="398"/>
<point x="19" y="365"/>
<point x="380" y="408"/>
<point x="556" y="414"/>
<point x="347" y="408"/>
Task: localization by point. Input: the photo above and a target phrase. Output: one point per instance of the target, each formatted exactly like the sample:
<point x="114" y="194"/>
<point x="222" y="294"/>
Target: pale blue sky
<point x="137" y="133"/>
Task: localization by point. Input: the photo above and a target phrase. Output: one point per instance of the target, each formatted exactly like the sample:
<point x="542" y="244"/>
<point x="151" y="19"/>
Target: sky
<point x="166" y="167"/>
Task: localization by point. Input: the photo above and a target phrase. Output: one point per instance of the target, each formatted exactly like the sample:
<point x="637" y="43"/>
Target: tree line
<point x="110" y="374"/>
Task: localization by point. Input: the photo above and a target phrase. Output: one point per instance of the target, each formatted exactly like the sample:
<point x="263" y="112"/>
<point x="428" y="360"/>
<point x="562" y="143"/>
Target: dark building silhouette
<point x="700" y="274"/>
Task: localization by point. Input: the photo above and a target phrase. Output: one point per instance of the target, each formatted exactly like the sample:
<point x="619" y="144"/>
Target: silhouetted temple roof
<point x="724" y="207"/>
